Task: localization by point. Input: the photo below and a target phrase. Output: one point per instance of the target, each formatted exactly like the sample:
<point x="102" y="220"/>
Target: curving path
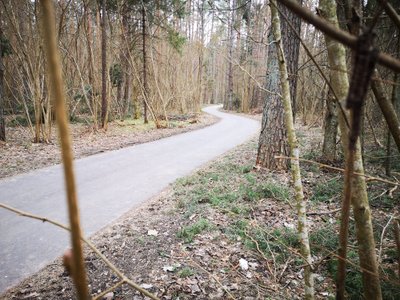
<point x="109" y="184"/>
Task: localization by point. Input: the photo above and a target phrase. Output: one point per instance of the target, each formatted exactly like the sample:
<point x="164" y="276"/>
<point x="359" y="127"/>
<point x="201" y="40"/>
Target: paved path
<point x="109" y="184"/>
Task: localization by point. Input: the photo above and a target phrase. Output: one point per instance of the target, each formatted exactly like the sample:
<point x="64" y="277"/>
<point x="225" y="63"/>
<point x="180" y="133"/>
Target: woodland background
<point x="153" y="60"/>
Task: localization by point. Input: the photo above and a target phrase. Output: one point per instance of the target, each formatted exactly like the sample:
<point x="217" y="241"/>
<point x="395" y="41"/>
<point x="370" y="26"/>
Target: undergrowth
<point x="252" y="201"/>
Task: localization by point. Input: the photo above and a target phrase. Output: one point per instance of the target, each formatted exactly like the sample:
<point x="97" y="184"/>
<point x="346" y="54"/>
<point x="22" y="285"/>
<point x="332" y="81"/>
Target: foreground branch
<point x="78" y="271"/>
<point x="124" y="279"/>
<point x="337" y="34"/>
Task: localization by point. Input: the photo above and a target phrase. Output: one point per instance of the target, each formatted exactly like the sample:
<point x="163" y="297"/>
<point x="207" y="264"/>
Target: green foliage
<point x="186" y="272"/>
<point x="189" y="232"/>
<point x="116" y="74"/>
<point x="326" y="191"/>
<point x="325" y="239"/>
<point x="176" y="40"/>
<point x="5" y="46"/>
<point x="277" y="242"/>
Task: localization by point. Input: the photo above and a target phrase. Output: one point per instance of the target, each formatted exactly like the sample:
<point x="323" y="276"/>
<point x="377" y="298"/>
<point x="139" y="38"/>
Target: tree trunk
<point x="295" y="152"/>
<point x="291" y="46"/>
<point x="145" y="84"/>
<point x="104" y="102"/>
<point x="273" y="140"/>
<point x="359" y="199"/>
<point x="330" y="129"/>
<point x="2" y="96"/>
<point x="387" y="108"/>
<point x="89" y="42"/>
<point x="229" y="94"/>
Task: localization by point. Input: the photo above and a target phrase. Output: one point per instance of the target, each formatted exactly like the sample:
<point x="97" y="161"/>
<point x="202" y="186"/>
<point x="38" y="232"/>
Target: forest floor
<point x="20" y="154"/>
<point x="228" y="231"/>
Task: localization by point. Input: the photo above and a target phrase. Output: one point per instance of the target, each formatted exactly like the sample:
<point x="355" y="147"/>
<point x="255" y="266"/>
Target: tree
<point x="104" y="101"/>
<point x="2" y="96"/>
<point x="359" y="199"/>
<point x="302" y="225"/>
<point x="272" y="139"/>
<point x="228" y="104"/>
<point x="145" y="83"/>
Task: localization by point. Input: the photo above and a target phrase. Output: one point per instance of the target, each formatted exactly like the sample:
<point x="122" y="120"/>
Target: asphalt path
<point x="109" y="184"/>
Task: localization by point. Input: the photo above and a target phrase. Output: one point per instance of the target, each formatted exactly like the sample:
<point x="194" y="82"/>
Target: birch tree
<point x="295" y="153"/>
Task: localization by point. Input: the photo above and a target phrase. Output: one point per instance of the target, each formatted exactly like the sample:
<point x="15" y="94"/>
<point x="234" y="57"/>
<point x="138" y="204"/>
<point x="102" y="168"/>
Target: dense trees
<point x="149" y="59"/>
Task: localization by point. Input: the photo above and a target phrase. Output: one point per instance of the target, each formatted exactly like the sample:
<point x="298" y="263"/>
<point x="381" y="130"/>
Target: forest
<point x="306" y="209"/>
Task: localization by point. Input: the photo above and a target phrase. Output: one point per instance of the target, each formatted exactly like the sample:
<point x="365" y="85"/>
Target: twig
<point x="78" y="271"/>
<point x="370" y="178"/>
<point x="391" y="12"/>
<point x="397" y="239"/>
<point x="209" y="274"/>
<point x="337" y="34"/>
<point x="115" y="286"/>
<point x="382" y="236"/>
<point x="330" y="212"/>
<point x="284" y="269"/>
<point x="90" y="245"/>
<point x="262" y="254"/>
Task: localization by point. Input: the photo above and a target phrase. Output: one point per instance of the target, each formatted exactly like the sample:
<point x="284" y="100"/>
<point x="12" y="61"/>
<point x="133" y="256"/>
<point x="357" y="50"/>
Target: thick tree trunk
<point x="291" y="46"/>
<point x="295" y="152"/>
<point x="359" y="199"/>
<point x="104" y="102"/>
<point x="273" y="140"/>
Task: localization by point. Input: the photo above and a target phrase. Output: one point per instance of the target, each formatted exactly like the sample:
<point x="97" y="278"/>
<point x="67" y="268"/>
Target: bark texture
<point x="295" y="152"/>
<point x="104" y="104"/>
<point x="291" y="47"/>
<point x="330" y="129"/>
<point x="2" y="102"/>
<point x="359" y="199"/>
<point x="273" y="140"/>
<point x="387" y="108"/>
<point x="145" y="84"/>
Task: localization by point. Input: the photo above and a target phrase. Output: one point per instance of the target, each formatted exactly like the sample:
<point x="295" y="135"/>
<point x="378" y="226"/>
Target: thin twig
<point x="391" y="12"/>
<point x="209" y="274"/>
<point x="370" y="178"/>
<point x="382" y="236"/>
<point x="90" y="245"/>
<point x="262" y="254"/>
<point x="114" y="287"/>
<point x="330" y="212"/>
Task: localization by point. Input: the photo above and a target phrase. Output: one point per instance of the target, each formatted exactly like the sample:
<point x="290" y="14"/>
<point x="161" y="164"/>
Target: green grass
<point x="186" y="272"/>
<point x="328" y="191"/>
<point x="188" y="233"/>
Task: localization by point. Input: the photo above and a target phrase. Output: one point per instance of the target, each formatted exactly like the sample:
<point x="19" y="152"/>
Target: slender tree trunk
<point x="104" y="102"/>
<point x="359" y="199"/>
<point x="295" y="152"/>
<point x="2" y="96"/>
<point x="231" y="22"/>
<point x="89" y="41"/>
<point x="330" y="129"/>
<point x="145" y="84"/>
<point x="387" y="108"/>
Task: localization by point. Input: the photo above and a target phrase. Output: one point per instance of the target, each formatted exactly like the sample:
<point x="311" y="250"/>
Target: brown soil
<point x="20" y="154"/>
<point x="187" y="243"/>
